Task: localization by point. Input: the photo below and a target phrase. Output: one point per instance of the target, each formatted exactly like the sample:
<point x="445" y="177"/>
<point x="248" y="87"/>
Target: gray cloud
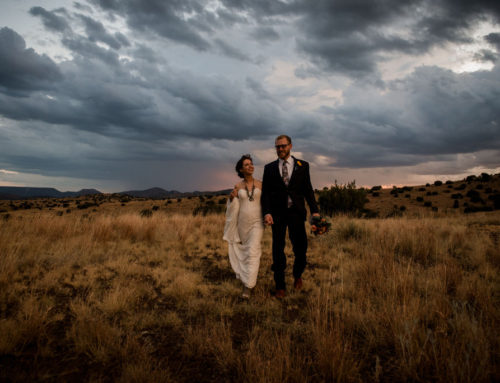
<point x="350" y="38"/>
<point x="21" y="68"/>
<point x="493" y="39"/>
<point x="167" y="19"/>
<point x="485" y="55"/>
<point x="101" y="94"/>
<point x="230" y="51"/>
<point x="265" y="34"/>
<point x="51" y="20"/>
<point x="96" y="32"/>
<point x="88" y="49"/>
<point x="431" y="113"/>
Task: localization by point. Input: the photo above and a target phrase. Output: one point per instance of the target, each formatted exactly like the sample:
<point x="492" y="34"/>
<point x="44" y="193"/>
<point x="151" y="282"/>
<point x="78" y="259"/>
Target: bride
<point x="243" y="229"/>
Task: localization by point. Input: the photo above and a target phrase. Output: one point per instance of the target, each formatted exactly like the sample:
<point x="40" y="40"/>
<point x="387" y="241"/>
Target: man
<point x="285" y="185"/>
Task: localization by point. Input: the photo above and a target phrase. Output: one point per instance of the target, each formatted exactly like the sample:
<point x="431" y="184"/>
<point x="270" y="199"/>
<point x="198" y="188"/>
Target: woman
<point x="243" y="230"/>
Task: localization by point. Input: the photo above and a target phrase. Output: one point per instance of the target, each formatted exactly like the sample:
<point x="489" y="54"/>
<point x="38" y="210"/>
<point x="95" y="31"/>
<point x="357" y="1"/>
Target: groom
<point x="285" y="185"/>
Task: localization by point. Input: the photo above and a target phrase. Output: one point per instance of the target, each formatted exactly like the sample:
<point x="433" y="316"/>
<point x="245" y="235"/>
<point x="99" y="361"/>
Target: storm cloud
<point x="156" y="85"/>
<point x="22" y="68"/>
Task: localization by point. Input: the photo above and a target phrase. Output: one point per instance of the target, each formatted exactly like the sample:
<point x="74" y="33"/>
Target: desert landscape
<point x="113" y="288"/>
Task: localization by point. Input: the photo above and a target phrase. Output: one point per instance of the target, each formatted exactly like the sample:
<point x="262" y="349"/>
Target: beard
<point x="283" y="154"/>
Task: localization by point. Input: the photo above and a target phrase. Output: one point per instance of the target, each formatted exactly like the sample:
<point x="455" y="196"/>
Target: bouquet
<point x="319" y="225"/>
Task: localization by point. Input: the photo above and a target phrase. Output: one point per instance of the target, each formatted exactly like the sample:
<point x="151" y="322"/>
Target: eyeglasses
<point x="281" y="146"/>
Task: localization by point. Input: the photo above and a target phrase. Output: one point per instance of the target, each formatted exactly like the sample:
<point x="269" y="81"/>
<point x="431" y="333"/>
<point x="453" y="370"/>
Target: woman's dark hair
<point x="239" y="164"/>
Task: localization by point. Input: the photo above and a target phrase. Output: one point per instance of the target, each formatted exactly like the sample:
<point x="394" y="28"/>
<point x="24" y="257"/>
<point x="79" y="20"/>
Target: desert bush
<point x="155" y="208"/>
<point x="146" y="213"/>
<point x="475" y="209"/>
<point x="485" y="177"/>
<point x="420" y="199"/>
<point x="376" y="188"/>
<point x="342" y="199"/>
<point x="351" y="230"/>
<point x="471" y="178"/>
<point x="456" y="204"/>
<point x="209" y="208"/>
<point x="474" y="196"/>
<point x="438" y="183"/>
<point x="86" y="205"/>
<point x="461" y="187"/>
<point x="496" y="200"/>
<point x="457" y="196"/>
<point x="427" y="203"/>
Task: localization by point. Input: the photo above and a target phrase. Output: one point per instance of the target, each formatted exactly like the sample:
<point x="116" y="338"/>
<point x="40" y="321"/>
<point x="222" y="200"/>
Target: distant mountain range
<point x="16" y="192"/>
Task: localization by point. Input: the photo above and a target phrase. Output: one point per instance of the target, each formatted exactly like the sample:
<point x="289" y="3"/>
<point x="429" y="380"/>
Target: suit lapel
<point x="276" y="171"/>
<point x="295" y="170"/>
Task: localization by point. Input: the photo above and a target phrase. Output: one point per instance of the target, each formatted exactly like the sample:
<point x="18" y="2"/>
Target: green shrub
<point x="342" y="199"/>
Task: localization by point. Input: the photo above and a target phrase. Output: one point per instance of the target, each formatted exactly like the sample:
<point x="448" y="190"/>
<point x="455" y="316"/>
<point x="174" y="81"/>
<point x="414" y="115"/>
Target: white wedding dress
<point x="243" y="232"/>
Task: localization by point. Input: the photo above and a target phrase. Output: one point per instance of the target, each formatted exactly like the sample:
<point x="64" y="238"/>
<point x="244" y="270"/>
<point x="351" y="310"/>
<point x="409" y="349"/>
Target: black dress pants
<point x="294" y="221"/>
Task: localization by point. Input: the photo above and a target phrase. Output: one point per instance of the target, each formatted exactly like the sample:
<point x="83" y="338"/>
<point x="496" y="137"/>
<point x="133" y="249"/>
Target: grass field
<point x="110" y="295"/>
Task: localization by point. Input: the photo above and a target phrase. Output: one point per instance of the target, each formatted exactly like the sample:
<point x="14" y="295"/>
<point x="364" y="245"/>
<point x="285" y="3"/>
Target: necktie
<point x="284" y="173"/>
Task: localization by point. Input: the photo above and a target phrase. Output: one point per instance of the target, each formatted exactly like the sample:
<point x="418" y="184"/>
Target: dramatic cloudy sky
<point x="130" y="94"/>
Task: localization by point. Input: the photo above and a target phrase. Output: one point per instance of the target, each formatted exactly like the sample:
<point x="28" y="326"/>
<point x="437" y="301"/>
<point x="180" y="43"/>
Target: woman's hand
<point x="234" y="193"/>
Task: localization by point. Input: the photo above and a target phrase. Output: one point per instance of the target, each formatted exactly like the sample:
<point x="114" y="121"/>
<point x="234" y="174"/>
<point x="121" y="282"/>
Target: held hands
<point x="268" y="220"/>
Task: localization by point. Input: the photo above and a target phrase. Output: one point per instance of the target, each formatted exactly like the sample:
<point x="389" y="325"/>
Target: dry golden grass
<point x="110" y="295"/>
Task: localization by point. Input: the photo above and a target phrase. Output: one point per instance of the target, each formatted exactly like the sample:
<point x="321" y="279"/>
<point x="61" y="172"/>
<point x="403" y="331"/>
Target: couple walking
<point x="278" y="201"/>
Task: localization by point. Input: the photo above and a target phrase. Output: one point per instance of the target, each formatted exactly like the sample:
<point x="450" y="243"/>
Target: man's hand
<point x="268" y="220"/>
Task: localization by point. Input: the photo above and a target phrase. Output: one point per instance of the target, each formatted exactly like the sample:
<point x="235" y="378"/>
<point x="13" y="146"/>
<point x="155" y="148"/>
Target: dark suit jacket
<point x="274" y="198"/>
